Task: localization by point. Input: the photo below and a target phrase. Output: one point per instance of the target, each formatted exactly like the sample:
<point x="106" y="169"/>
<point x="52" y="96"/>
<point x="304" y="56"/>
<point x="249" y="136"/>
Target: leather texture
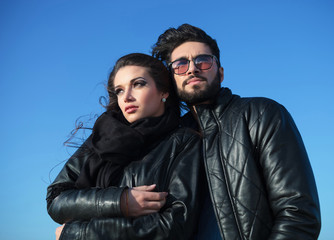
<point x="91" y="214"/>
<point x="259" y="175"/>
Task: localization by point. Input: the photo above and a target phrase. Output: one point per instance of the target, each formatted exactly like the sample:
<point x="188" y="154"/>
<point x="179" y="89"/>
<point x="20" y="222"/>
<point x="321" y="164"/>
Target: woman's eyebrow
<point x="131" y="81"/>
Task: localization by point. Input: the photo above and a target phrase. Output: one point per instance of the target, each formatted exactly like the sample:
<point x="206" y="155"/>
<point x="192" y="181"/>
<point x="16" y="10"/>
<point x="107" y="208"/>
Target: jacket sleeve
<point x="288" y="176"/>
<point x="66" y="203"/>
<point x="175" y="221"/>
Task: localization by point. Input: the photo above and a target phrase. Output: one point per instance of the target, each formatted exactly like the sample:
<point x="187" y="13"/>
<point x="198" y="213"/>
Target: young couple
<point x="241" y="172"/>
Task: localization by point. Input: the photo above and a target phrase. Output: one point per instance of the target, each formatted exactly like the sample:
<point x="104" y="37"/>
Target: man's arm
<point x="288" y="175"/>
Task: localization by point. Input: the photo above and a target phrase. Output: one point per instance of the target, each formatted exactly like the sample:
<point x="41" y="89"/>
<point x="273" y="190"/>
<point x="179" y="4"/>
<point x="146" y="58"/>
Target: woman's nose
<point x="128" y="96"/>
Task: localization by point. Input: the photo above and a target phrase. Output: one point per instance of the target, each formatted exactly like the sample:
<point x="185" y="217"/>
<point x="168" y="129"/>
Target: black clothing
<point x="94" y="213"/>
<point x="259" y="176"/>
<point x="207" y="226"/>
<point x="117" y="143"/>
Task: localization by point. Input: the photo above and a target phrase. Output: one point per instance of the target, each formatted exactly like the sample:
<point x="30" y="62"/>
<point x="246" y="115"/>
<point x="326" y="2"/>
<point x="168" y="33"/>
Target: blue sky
<point x="55" y="57"/>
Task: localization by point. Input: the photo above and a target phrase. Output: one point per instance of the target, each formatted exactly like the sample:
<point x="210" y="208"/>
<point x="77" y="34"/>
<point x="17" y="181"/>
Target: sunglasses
<point x="202" y="62"/>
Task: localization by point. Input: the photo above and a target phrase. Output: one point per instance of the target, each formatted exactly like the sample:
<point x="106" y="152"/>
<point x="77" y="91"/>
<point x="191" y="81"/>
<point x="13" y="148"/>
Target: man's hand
<point x="139" y="201"/>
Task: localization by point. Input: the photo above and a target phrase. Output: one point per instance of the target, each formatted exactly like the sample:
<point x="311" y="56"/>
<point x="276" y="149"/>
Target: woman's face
<point x="137" y="94"/>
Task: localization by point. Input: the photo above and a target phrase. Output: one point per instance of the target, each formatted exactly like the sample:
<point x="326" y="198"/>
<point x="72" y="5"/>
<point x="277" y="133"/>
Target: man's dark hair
<point x="172" y="38"/>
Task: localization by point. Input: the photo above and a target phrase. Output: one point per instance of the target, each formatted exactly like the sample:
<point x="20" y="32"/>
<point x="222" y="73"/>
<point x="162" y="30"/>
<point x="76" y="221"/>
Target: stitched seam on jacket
<point x="233" y="142"/>
<point x="255" y="214"/>
<point x="227" y="182"/>
<point x="210" y="183"/>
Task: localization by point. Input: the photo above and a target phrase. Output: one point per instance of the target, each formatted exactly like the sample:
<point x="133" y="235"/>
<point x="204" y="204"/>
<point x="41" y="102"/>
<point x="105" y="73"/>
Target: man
<point x="259" y="177"/>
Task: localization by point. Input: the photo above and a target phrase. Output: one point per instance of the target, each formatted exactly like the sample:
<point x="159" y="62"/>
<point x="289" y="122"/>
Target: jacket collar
<point x="219" y="103"/>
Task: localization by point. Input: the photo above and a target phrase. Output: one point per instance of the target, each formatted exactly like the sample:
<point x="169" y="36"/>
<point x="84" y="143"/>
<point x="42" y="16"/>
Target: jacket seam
<point x="226" y="178"/>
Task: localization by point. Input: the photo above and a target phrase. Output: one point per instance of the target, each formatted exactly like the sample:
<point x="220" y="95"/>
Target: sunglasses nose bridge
<point x="192" y="66"/>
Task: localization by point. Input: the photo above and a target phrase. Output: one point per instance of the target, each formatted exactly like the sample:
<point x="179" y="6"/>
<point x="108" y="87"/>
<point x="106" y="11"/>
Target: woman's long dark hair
<point x="157" y="71"/>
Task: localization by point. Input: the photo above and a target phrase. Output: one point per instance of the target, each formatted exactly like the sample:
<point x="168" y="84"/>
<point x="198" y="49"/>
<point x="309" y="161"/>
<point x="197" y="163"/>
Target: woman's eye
<point x="118" y="91"/>
<point x="139" y="83"/>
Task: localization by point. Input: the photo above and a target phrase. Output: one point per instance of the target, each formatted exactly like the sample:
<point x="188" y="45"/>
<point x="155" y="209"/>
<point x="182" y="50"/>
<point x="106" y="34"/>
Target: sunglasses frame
<point x="193" y="60"/>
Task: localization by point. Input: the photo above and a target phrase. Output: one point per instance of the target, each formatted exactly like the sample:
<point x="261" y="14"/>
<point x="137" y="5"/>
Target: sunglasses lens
<point x="203" y="62"/>
<point x="180" y="66"/>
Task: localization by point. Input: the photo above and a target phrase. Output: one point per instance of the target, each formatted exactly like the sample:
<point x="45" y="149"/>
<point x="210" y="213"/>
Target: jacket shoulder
<point x="232" y="101"/>
<point x="250" y="110"/>
<point x="254" y="103"/>
<point x="254" y="107"/>
<point x="184" y="135"/>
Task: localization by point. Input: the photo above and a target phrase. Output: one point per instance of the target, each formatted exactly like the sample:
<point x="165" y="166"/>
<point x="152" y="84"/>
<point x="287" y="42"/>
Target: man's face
<point x="196" y="86"/>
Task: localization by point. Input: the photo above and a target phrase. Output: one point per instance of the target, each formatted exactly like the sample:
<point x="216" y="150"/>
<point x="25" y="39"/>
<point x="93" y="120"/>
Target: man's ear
<point x="221" y="72"/>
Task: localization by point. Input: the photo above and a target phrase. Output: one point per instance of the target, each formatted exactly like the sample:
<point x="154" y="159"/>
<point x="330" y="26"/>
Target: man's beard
<point x="198" y="95"/>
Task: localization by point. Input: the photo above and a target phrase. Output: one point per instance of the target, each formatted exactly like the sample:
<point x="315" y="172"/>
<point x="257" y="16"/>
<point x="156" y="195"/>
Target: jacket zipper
<point x="225" y="178"/>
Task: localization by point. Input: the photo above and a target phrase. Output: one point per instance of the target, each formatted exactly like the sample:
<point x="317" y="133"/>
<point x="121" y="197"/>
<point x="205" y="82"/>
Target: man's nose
<point x="192" y="68"/>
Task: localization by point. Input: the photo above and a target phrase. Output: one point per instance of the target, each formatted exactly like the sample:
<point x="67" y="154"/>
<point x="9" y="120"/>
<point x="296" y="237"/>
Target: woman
<point x="137" y="175"/>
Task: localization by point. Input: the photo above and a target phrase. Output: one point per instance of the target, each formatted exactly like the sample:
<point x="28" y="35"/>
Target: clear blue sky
<point x="55" y="57"/>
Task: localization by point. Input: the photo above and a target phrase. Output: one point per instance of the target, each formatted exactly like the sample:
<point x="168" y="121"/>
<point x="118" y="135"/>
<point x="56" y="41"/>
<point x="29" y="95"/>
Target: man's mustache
<point x="185" y="82"/>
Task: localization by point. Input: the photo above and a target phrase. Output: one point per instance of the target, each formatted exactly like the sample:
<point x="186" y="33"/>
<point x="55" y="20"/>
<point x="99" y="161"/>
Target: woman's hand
<point x="58" y="231"/>
<point x="139" y="201"/>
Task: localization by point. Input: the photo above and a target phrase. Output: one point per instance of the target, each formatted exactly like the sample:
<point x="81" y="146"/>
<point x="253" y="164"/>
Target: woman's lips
<point x="131" y="109"/>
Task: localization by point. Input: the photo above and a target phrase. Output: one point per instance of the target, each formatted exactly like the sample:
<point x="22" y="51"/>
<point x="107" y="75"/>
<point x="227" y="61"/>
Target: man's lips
<point x="130" y="109"/>
<point x="193" y="80"/>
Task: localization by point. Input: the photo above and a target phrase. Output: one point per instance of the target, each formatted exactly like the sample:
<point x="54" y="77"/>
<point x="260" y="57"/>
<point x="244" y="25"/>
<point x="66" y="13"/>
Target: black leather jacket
<point x="260" y="179"/>
<point x="94" y="213"/>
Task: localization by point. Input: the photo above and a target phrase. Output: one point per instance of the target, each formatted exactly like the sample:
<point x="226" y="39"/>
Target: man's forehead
<point x="190" y="50"/>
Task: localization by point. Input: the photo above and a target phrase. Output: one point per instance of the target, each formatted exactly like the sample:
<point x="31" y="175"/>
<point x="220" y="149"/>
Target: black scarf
<point x="117" y="143"/>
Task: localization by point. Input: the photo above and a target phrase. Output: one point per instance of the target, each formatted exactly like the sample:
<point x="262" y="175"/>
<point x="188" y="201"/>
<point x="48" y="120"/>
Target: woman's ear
<point x="165" y="95"/>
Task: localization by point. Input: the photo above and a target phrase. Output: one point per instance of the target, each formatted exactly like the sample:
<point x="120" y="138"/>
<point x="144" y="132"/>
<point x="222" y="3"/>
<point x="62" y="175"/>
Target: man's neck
<point x="194" y="112"/>
<point x="193" y="107"/>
